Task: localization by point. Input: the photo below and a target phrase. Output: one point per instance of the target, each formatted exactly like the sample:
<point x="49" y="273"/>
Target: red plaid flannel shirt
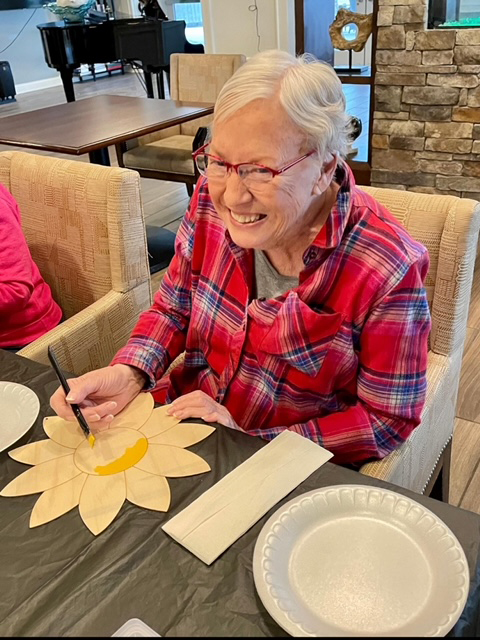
<point x="340" y="359"/>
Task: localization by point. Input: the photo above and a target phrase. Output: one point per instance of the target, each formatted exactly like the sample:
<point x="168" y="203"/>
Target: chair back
<point x="448" y="227"/>
<point x="199" y="78"/>
<point x="194" y="77"/>
<point x="83" y="224"/>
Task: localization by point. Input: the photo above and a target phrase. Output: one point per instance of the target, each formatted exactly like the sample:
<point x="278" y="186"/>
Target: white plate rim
<point x="31" y="417"/>
<point x="280" y="616"/>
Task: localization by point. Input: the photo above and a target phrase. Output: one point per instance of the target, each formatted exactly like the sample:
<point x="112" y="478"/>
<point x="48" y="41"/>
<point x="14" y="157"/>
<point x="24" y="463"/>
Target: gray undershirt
<point x="270" y="283"/>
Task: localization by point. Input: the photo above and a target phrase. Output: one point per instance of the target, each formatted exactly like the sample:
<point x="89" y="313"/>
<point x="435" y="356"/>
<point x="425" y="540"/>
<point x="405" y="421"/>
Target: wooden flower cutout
<point x="130" y="461"/>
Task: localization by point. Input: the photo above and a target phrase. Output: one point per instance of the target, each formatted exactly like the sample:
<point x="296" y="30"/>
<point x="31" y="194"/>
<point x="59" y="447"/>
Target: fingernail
<point x="113" y="404"/>
<point x="95" y="416"/>
<point x="70" y="398"/>
<point x="109" y="418"/>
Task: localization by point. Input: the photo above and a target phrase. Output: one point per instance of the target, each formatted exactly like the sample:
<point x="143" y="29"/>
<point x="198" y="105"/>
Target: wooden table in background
<point x="93" y="124"/>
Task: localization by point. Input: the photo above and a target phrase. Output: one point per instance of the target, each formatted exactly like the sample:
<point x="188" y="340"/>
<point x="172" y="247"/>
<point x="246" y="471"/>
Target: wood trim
<point x="373" y="70"/>
<point x="299" y="27"/>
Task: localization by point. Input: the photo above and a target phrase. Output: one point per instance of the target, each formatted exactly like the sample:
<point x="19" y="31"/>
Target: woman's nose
<point x="235" y="190"/>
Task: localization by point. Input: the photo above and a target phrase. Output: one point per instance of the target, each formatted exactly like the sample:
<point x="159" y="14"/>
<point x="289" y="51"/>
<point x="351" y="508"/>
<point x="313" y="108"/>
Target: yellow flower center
<point x="115" y="450"/>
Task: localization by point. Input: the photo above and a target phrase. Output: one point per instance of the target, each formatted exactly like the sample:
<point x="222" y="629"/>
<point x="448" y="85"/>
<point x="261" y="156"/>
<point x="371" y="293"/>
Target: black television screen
<point x="22" y="4"/>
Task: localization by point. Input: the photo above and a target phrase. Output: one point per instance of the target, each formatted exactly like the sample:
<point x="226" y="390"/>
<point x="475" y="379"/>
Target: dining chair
<point x="167" y="154"/>
<point x="448" y="226"/>
<point x="85" y="230"/>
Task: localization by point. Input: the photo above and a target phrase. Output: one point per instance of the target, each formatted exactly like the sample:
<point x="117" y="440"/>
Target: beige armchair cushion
<point x="85" y="229"/>
<point x="172" y="154"/>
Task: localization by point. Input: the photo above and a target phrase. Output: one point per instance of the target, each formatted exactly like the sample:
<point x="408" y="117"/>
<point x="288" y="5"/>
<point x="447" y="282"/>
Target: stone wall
<point x="426" y="126"/>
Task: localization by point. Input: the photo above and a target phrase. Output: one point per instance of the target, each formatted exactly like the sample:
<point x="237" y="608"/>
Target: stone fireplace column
<point x="426" y="123"/>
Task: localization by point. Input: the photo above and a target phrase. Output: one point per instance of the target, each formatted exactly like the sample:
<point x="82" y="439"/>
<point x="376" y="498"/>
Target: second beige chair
<point x="85" y="230"/>
<point x="449" y="227"/>
<point x="167" y="154"/>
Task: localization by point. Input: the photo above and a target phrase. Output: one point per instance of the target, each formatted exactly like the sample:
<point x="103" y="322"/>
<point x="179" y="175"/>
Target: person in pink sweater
<point x="27" y="308"/>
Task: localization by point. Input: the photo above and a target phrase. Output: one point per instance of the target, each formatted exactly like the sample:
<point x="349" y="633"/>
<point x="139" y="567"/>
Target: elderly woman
<point x="297" y="299"/>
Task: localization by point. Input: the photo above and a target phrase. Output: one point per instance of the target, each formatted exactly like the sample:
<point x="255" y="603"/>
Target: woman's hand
<point x="198" y="405"/>
<point x="100" y="394"/>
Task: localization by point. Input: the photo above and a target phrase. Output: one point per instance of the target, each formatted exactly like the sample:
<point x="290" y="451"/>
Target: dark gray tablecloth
<point x="60" y="580"/>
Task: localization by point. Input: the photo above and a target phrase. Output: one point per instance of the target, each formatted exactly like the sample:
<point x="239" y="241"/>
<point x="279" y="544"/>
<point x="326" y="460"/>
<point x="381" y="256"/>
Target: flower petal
<point x="42" y="477"/>
<point x="147" y="490"/>
<point x="64" y="432"/>
<point x="38" y="452"/>
<point x="136" y="413"/>
<point x="184" y="435"/>
<point x="158" y="422"/>
<point x="57" y="501"/>
<point x="101" y="500"/>
<point x="172" y="462"/>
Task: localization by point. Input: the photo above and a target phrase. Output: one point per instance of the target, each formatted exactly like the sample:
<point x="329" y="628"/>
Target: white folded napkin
<point x="213" y="522"/>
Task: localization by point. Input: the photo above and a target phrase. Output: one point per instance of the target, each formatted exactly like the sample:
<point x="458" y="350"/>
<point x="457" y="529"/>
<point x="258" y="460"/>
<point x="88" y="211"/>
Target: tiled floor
<point x="165" y="204"/>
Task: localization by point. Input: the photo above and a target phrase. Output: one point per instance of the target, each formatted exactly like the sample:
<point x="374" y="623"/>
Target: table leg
<point x="100" y="156"/>
<point x="67" y="81"/>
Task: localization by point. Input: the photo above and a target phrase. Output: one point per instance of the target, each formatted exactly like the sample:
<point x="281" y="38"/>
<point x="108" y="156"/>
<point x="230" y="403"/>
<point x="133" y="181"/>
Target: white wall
<point x="229" y="26"/>
<point x="25" y="55"/>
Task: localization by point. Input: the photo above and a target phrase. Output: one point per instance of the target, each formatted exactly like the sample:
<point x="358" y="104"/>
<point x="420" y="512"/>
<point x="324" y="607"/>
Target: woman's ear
<point x="326" y="175"/>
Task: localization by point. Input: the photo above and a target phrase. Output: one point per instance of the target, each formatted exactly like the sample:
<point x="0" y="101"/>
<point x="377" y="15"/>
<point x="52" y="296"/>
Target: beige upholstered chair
<point x="449" y="228"/>
<point x="167" y="154"/>
<point x="85" y="230"/>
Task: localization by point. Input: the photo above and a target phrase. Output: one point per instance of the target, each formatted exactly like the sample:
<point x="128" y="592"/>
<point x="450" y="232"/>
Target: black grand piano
<point x="146" y="41"/>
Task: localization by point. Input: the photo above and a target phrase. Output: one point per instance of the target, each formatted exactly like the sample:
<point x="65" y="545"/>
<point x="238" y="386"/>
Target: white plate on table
<point x="353" y="560"/>
<point x="19" y="407"/>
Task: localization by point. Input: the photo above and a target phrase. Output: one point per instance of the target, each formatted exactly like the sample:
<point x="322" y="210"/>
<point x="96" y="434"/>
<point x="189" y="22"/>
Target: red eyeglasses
<point x="216" y="168"/>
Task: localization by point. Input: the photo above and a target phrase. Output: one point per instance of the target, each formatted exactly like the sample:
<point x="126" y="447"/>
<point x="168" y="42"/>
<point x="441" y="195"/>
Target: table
<point x="93" y="124"/>
<point x="60" y="580"/>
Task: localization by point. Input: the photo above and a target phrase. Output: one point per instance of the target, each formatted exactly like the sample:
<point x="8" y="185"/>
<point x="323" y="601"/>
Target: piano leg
<point x="160" y="87"/>
<point x="67" y="81"/>
<point x="148" y="83"/>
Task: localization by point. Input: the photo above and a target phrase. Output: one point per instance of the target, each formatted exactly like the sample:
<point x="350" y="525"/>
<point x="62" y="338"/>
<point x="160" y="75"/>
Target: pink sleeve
<point x="16" y="276"/>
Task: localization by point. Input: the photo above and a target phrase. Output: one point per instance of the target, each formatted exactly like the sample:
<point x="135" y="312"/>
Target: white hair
<point x="308" y="89"/>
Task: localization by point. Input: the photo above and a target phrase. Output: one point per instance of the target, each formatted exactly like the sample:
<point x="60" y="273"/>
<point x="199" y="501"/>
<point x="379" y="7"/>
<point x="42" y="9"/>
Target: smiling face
<point x="279" y="214"/>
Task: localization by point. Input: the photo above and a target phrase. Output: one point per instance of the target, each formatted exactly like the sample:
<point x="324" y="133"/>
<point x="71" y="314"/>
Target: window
<point x="191" y="12"/>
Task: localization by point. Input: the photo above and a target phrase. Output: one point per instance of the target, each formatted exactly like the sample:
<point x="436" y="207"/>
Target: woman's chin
<point x="247" y="238"/>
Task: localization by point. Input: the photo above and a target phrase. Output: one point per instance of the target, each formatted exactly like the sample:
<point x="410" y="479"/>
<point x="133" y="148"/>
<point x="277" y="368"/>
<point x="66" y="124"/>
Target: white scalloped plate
<point x="353" y="560"/>
<point x="19" y="407"/>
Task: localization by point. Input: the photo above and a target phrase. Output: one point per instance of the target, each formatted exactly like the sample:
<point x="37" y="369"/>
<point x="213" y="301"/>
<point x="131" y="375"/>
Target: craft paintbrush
<point x="75" y="408"/>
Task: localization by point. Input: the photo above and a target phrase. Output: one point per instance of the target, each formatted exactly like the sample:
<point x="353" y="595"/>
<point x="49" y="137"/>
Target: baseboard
<point x="46" y="83"/>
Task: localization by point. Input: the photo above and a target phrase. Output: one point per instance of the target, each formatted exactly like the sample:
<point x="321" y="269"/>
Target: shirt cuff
<point x="150" y="362"/>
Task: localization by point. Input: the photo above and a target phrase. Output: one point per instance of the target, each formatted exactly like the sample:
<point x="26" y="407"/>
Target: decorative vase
<point x="71" y="11"/>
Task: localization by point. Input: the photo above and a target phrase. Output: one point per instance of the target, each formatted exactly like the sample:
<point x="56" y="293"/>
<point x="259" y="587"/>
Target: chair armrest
<point x="412" y="464"/>
<point x="89" y="339"/>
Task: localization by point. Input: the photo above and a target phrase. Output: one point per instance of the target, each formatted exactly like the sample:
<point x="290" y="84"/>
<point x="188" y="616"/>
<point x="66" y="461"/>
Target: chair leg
<point x="190" y="188"/>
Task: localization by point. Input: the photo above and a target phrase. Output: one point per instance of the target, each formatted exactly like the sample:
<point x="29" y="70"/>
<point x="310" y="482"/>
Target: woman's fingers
<point x="60" y="405"/>
<point x="195" y="400"/>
